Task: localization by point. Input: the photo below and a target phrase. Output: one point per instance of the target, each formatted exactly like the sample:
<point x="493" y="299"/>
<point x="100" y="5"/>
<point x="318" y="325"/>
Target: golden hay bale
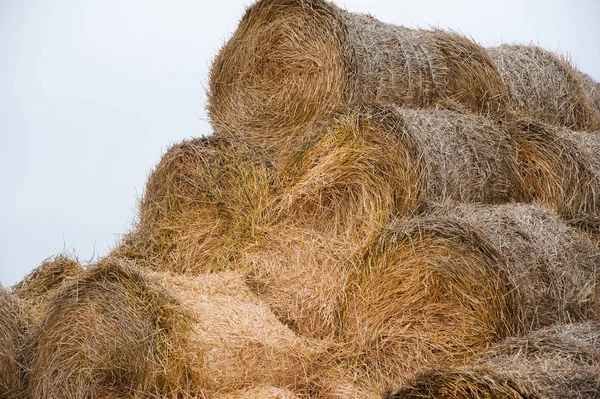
<point x="439" y="289"/>
<point x="36" y="289"/>
<point x="119" y="332"/>
<point x="558" y="172"/>
<point x="13" y="324"/>
<point x="290" y="62"/>
<point x="545" y="86"/>
<point x="562" y="361"/>
<point x="198" y="206"/>
<point x="260" y="393"/>
<point x="365" y="166"/>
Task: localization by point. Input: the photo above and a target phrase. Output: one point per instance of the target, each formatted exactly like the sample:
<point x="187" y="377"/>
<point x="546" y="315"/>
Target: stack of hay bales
<point x="13" y="324"/>
<point x="381" y="209"/>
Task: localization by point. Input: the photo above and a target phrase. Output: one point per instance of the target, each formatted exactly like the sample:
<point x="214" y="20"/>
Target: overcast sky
<point x="92" y="92"/>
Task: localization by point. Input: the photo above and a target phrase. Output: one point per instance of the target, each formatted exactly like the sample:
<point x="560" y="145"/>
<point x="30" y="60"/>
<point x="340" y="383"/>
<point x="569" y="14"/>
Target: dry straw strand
<point x="290" y="62"/>
<point x="545" y="86"/>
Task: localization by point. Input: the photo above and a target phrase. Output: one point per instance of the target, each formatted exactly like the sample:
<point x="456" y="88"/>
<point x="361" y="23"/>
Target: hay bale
<point x="433" y="291"/>
<point x="198" y="207"/>
<point x="439" y="289"/>
<point x="290" y="62"/>
<point x="13" y="324"/>
<point x="545" y="86"/>
<point x="365" y="166"/>
<point x="556" y="169"/>
<point x="38" y="287"/>
<point x="562" y="361"/>
<point x="119" y="332"/>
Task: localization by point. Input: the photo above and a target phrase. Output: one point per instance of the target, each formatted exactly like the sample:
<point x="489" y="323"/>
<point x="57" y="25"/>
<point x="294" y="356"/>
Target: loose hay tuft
<point x="198" y="207"/>
<point x="545" y="86"/>
<point x="119" y="332"/>
<point x="562" y="361"/>
<point x="38" y="287"/>
<point x="290" y="62"/>
<point x="13" y="324"/>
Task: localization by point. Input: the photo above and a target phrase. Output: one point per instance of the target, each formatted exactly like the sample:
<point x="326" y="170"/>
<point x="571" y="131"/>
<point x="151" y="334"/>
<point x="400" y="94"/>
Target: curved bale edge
<point x="37" y="287"/>
<point x="545" y="86"/>
<point x="199" y="207"/>
<point x="291" y="62"/>
<point x="14" y="322"/>
<point x="591" y="89"/>
<point x="561" y="361"/>
<point x="119" y="331"/>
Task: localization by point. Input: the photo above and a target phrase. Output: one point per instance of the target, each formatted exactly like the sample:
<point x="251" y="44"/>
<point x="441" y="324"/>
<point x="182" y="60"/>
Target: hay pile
<point x="439" y="289"/>
<point x="365" y="166"/>
<point x="290" y="62"/>
<point x="116" y="331"/>
<point x="558" y="169"/>
<point x="13" y="324"/>
<point x="558" y="362"/>
<point x="546" y="87"/>
<point x="591" y="89"/>
<point x="198" y="207"/>
<point x="37" y="288"/>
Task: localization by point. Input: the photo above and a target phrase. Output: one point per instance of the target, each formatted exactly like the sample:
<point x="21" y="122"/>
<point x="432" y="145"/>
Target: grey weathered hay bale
<point x="290" y="62"/>
<point x="562" y="361"/>
<point x="116" y="331"/>
<point x="198" y="206"/>
<point x="36" y="289"/>
<point x="545" y="86"/>
<point x="591" y="89"/>
<point x="439" y="289"/>
<point x="13" y="325"/>
<point x="364" y="167"/>
<point x="558" y="171"/>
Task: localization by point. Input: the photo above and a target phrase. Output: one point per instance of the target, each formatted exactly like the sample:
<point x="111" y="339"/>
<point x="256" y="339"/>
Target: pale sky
<point x="92" y="92"/>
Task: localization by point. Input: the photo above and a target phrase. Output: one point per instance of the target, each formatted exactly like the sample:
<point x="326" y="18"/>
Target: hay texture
<point x="13" y="325"/>
<point x="198" y="207"/>
<point x="37" y="288"/>
<point x="562" y="361"/>
<point x="591" y="89"/>
<point x="260" y="393"/>
<point x="545" y="86"/>
<point x="366" y="166"/>
<point x="119" y="332"/>
<point x="558" y="168"/>
<point x="290" y="62"/>
<point x="439" y="289"/>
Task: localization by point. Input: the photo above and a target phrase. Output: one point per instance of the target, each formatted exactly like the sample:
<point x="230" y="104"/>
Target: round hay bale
<point x="365" y="166"/>
<point x="13" y="325"/>
<point x="562" y="361"/>
<point x="439" y="289"/>
<point x="556" y="170"/>
<point x="290" y="62"/>
<point x="555" y="267"/>
<point x="545" y="86"/>
<point x="432" y="291"/>
<point x="198" y="207"/>
<point x="122" y="332"/>
<point x="36" y="289"/>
